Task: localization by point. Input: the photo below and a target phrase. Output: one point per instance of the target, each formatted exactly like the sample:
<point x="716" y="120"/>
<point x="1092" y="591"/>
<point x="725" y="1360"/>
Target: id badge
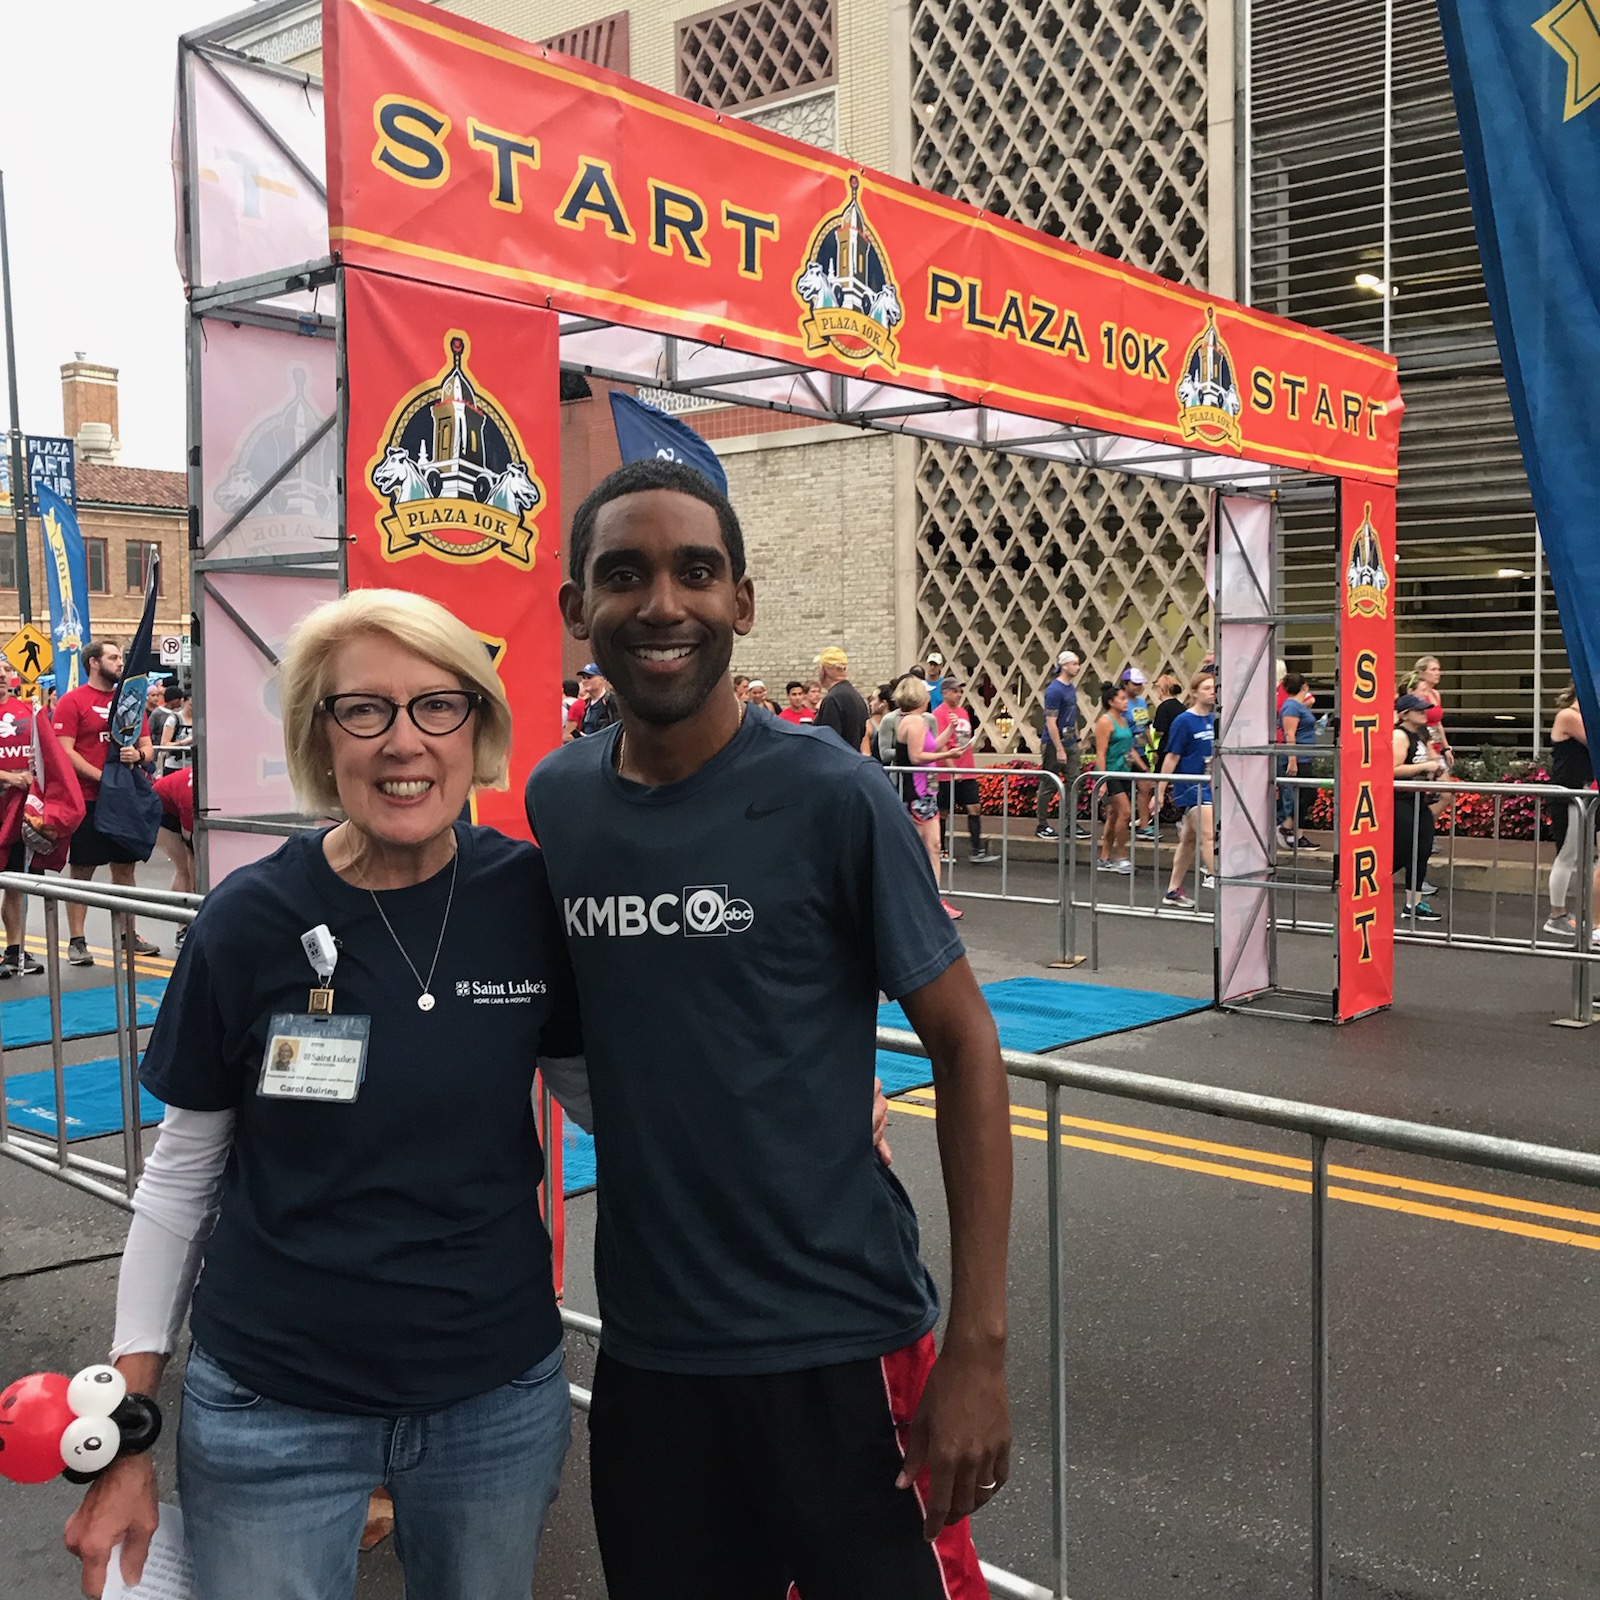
<point x="314" y="1058"/>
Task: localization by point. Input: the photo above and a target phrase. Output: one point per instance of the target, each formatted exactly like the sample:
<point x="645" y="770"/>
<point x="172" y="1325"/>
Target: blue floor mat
<point x="93" y="1099"/>
<point x="1033" y="1014"/>
<point x="84" y="1012"/>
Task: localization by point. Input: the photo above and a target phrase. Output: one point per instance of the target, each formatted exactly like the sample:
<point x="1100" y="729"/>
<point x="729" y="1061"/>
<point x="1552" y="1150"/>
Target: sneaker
<point x="1308" y="844"/>
<point x="1178" y="900"/>
<point x="1083" y="833"/>
<point x="32" y="966"/>
<point x="1105" y="866"/>
<point x="1124" y="866"/>
<point x="1558" y="926"/>
<point x="143" y="947"/>
<point x="979" y="856"/>
<point x="78" y="953"/>
<point x="1423" y="912"/>
<point x="1045" y="832"/>
<point x="183" y="928"/>
<point x="11" y="962"/>
<point x="1208" y="880"/>
<point x="955" y="913"/>
<point x="945" y="858"/>
<point x="1428" y="888"/>
<point x="1147" y="832"/>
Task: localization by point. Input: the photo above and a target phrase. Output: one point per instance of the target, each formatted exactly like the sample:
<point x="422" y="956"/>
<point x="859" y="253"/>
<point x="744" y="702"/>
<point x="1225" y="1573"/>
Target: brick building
<point x="122" y="512"/>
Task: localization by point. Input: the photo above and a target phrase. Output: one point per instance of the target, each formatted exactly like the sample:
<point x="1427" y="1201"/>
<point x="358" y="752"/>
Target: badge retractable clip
<point x="322" y="951"/>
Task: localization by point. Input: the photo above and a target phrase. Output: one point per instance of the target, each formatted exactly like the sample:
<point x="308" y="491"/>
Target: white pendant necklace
<point x="425" y="1000"/>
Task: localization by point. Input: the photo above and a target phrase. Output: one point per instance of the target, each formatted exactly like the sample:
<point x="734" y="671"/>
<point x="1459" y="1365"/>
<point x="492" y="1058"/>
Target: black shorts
<point x="967" y="793"/>
<point x="91" y="848"/>
<point x="1114" y="786"/>
<point x="732" y="1488"/>
<point x="17" y="860"/>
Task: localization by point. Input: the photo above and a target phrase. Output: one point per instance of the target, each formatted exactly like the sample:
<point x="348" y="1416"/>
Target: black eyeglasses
<point x="369" y="716"/>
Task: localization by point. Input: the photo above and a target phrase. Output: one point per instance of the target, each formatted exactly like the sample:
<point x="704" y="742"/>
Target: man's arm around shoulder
<point x="962" y="1431"/>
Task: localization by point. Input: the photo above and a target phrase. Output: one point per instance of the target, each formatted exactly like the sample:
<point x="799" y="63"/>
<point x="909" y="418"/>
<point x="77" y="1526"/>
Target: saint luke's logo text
<point x="704" y="912"/>
<point x="512" y="992"/>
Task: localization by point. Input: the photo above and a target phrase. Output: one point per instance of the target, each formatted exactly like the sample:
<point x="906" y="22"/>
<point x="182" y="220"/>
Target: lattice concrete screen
<point x="743" y="55"/>
<point x="1087" y="121"/>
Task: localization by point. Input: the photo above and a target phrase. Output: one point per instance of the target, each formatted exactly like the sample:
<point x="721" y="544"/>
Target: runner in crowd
<point x="932" y="674"/>
<point x="1168" y="706"/>
<point x="1139" y="714"/>
<point x="879" y="706"/>
<point x="918" y="743"/>
<point x="155" y="706"/>
<point x="758" y="700"/>
<point x="1297" y="728"/>
<point x="1572" y="768"/>
<point x="1189" y="744"/>
<point x="594" y="710"/>
<point x="889" y="722"/>
<point x="1116" y="751"/>
<point x="83" y="725"/>
<point x="767" y="1320"/>
<point x="1059" y="743"/>
<point x="798" y="711"/>
<point x="1414" y="757"/>
<point x="16" y="772"/>
<point x="842" y="707"/>
<point x="175" y="743"/>
<point x="1423" y="681"/>
<point x="569" y="695"/>
<point x="962" y="793"/>
<point x="814" y="697"/>
<point x="741" y="687"/>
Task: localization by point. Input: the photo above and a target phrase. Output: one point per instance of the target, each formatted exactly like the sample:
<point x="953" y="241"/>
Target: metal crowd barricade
<point x="1320" y="1124"/>
<point x="105" y="1179"/>
<point x="1066" y="853"/>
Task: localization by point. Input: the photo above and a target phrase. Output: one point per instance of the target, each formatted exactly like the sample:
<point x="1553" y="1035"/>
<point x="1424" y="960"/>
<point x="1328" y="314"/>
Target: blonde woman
<point x="1572" y="768"/>
<point x="1423" y="682"/>
<point x="376" y="1303"/>
<point x="918" y="744"/>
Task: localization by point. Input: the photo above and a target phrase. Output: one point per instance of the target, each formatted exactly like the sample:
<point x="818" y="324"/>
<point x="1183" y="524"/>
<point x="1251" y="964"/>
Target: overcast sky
<point x="85" y="145"/>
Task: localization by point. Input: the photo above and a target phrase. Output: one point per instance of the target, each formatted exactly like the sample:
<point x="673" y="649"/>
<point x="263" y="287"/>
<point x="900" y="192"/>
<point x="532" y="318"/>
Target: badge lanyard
<point x="316" y="1055"/>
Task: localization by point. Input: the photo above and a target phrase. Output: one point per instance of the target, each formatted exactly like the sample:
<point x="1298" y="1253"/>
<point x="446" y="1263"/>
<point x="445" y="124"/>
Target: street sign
<point x="30" y="653"/>
<point x="187" y="657"/>
<point x="171" y="649"/>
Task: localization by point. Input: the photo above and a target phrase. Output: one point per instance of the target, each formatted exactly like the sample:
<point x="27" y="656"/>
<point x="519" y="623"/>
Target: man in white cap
<point x="1059" y="743"/>
<point x="933" y="671"/>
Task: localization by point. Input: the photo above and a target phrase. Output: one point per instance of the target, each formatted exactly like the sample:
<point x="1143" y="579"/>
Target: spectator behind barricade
<point x="1297" y="727"/>
<point x="757" y="698"/>
<point x="917" y="743"/>
<point x="1116" y="751"/>
<point x="799" y="709"/>
<point x="83" y="724"/>
<point x="175" y="744"/>
<point x="961" y="793"/>
<point x="1571" y="767"/>
<point x="879" y="704"/>
<point x="932" y="673"/>
<point x="814" y="697"/>
<point x="1414" y="757"/>
<point x="741" y="687"/>
<point x="569" y="694"/>
<point x="595" y="708"/>
<point x="1058" y="747"/>
<point x="47" y="693"/>
<point x="842" y="707"/>
<point x="1189" y="743"/>
<point x="889" y="721"/>
<point x="155" y="708"/>
<point x="176" y="793"/>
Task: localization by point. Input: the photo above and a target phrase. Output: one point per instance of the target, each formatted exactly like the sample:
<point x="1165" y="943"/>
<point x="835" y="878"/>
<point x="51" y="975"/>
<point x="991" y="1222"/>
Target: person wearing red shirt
<point x="16" y="753"/>
<point x="799" y="709"/>
<point x="967" y="797"/>
<point x="176" y="792"/>
<point x="83" y="724"/>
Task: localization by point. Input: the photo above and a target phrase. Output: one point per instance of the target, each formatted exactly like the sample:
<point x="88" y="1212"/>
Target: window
<point x="604" y="43"/>
<point x="755" y="51"/>
<point x="139" y="551"/>
<point x="8" y="560"/>
<point x="94" y="551"/>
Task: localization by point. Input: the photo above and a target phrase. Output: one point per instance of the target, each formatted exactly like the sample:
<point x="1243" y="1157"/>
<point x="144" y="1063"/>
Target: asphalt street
<point x="1464" y="1305"/>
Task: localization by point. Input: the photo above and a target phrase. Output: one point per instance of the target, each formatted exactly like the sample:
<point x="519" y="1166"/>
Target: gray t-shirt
<point x="730" y="935"/>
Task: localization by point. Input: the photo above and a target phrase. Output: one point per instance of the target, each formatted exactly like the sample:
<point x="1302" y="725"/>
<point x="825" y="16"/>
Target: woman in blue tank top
<point x="1114" y="746"/>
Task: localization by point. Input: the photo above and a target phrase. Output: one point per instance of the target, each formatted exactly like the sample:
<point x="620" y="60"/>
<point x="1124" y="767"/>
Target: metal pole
<point x="1058" y="1354"/>
<point x="52" y="965"/>
<point x="1538" y="641"/>
<point x="19" y="467"/>
<point x="1065" y="829"/>
<point x="1319" y="1367"/>
<point x="127" y="1041"/>
<point x="1388" y="175"/>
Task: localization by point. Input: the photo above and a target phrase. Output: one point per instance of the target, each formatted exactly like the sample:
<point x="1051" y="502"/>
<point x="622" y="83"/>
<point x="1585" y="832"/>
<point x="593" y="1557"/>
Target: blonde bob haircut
<point x="426" y="629"/>
<point x="911" y="694"/>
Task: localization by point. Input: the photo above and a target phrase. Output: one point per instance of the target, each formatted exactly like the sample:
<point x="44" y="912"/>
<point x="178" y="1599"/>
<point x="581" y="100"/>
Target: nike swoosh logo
<point x="755" y="813"/>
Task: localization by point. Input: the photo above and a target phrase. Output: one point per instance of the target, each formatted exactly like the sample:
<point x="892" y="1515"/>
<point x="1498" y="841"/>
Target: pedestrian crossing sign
<point x="29" y="653"/>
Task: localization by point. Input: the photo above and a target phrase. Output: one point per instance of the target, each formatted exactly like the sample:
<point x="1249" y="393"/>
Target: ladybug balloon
<point x="50" y="1425"/>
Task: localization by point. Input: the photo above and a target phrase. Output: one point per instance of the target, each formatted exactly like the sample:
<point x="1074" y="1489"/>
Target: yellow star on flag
<point x="1572" y="29"/>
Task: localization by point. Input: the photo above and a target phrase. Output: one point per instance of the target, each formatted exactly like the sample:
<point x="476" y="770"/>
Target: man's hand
<point x="128" y="755"/>
<point x="120" y="1507"/>
<point x="961" y="1436"/>
<point x="16" y="780"/>
<point x="880" y="1123"/>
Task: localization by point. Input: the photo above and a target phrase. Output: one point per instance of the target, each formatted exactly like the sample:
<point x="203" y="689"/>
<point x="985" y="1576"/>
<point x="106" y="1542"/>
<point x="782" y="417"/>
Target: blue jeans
<point x="275" y="1496"/>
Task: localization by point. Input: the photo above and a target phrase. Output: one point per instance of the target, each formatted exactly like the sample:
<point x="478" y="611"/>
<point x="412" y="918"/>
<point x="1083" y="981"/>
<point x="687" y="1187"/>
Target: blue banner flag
<point x="646" y="434"/>
<point x="67" y="578"/>
<point x="128" y="808"/>
<point x="1526" y="76"/>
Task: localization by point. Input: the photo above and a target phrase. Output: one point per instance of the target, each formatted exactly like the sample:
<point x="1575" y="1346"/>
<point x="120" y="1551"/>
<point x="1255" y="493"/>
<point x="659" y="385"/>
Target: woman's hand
<point x="120" y="1507"/>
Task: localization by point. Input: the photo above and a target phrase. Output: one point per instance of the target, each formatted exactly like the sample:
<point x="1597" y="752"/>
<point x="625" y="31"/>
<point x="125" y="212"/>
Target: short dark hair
<point x="569" y="687"/>
<point x="792" y="685"/>
<point x="1293" y="682"/>
<point x="640" y="477"/>
<point x="95" y="649"/>
<point x="176" y="694"/>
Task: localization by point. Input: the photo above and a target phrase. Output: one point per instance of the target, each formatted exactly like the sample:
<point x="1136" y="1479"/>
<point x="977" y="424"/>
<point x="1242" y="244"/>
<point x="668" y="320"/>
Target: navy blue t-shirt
<point x="730" y="934"/>
<point x="387" y="1255"/>
<point x="1061" y="706"/>
<point x="1191" y="739"/>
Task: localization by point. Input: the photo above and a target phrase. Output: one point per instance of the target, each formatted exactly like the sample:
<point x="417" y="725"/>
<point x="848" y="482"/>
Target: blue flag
<point x="67" y="578"/>
<point x="128" y="808"/>
<point x="646" y="434"/>
<point x="1526" y="76"/>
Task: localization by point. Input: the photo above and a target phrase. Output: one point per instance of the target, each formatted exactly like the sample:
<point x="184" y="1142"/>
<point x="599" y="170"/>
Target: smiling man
<point x="767" y="1407"/>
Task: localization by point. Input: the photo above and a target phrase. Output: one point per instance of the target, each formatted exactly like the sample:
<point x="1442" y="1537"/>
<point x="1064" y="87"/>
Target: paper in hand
<point x="168" y="1572"/>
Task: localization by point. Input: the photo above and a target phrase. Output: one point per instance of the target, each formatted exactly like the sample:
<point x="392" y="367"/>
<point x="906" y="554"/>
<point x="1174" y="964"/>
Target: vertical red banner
<point x="452" y="483"/>
<point x="1366" y="748"/>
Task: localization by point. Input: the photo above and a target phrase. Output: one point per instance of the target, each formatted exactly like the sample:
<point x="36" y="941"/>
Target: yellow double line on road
<point x="1270" y="1171"/>
<point x="145" y="966"/>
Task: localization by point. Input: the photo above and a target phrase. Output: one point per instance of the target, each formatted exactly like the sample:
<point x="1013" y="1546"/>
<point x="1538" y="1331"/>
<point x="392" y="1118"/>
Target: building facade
<point x="1207" y="142"/>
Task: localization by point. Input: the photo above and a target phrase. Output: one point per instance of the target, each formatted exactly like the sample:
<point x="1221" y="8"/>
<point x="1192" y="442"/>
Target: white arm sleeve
<point x="567" y="1078"/>
<point x="174" y="1211"/>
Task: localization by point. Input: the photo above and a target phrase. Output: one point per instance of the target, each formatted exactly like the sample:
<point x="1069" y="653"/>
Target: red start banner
<point x="451" y="470"/>
<point x="471" y="158"/>
<point x="1366" y="749"/>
